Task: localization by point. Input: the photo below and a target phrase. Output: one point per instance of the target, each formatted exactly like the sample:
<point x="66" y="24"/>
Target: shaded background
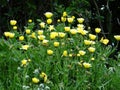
<point x="97" y="13"/>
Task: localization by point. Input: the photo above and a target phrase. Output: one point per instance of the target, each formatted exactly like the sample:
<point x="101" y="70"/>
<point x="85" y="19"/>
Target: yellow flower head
<point x="42" y="25"/>
<point x="13" y="22"/>
<point x="41" y="37"/>
<point x="80" y="26"/>
<point x="21" y="38"/>
<point x="35" y="80"/>
<point x="73" y="17"/>
<point x="40" y="32"/>
<point x="45" y="42"/>
<point x="104" y="41"/>
<point x="48" y="14"/>
<point x="97" y="30"/>
<point x="81" y="52"/>
<point x="56" y="44"/>
<point x="63" y="19"/>
<point x="92" y="58"/>
<point x="49" y="52"/>
<point x="67" y="29"/>
<point x="91" y="49"/>
<point x="80" y="20"/>
<point x="44" y="76"/>
<point x="87" y="42"/>
<point x="117" y="37"/>
<point x="86" y="65"/>
<point x="29" y="20"/>
<point x="61" y="34"/>
<point x="24" y="62"/>
<point x="78" y="55"/>
<point x="92" y="37"/>
<point x="25" y="47"/>
<point x="64" y="14"/>
<point x="84" y="32"/>
<point x="33" y="35"/>
<point x="11" y="35"/>
<point x="27" y="31"/>
<point x="6" y="34"/>
<point x="51" y="27"/>
<point x="14" y="27"/>
<point x="70" y="20"/>
<point x="53" y="35"/>
<point x="58" y="20"/>
<point x="49" y="21"/>
<point x="73" y="31"/>
<point x="65" y="53"/>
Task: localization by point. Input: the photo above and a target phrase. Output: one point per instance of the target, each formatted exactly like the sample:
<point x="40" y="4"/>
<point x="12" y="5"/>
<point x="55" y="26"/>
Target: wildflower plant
<point x="53" y="57"/>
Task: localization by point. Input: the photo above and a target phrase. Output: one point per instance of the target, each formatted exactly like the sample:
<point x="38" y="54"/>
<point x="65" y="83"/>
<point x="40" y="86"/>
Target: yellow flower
<point x="92" y="37"/>
<point x="70" y="55"/>
<point x="15" y="27"/>
<point x="61" y="34"/>
<point x="41" y="37"/>
<point x="64" y="14"/>
<point x="63" y="19"/>
<point x="73" y="31"/>
<point x="58" y="20"/>
<point x="21" y="38"/>
<point x="97" y="30"/>
<point x="33" y="35"/>
<point x="44" y="76"/>
<point x="6" y="34"/>
<point x="49" y="21"/>
<point x="42" y="25"/>
<point x="53" y="35"/>
<point x="87" y="42"/>
<point x="56" y="44"/>
<point x="49" y="52"/>
<point x="80" y="20"/>
<point x="35" y="80"/>
<point x="91" y="49"/>
<point x="92" y="59"/>
<point x="27" y="31"/>
<point x="48" y="14"/>
<point x="25" y="47"/>
<point x="24" y="62"/>
<point x="13" y="22"/>
<point x="65" y="53"/>
<point x="30" y="20"/>
<point x="81" y="52"/>
<point x="80" y="26"/>
<point x="78" y="55"/>
<point x="11" y="35"/>
<point x="70" y="20"/>
<point x="45" y="42"/>
<point x="40" y="32"/>
<point x="73" y="17"/>
<point x="104" y="41"/>
<point x="83" y="32"/>
<point x="117" y="37"/>
<point x="67" y="29"/>
<point x="86" y="65"/>
<point x="51" y="27"/>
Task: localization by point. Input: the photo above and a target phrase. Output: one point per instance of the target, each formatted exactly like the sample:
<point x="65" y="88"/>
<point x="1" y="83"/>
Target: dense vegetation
<point x="54" y="45"/>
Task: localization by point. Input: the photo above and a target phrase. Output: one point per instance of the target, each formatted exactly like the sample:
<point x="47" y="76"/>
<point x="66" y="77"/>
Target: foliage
<point x="64" y="56"/>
